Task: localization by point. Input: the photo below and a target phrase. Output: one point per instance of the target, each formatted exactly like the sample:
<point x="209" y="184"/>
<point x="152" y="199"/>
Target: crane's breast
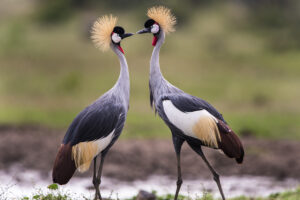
<point x="198" y="124"/>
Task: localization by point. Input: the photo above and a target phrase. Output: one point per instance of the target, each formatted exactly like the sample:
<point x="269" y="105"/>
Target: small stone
<point x="144" y="195"/>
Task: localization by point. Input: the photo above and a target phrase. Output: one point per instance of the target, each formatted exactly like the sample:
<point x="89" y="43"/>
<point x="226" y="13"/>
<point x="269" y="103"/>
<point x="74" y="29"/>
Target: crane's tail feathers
<point x="64" y="165"/>
<point x="230" y="144"/>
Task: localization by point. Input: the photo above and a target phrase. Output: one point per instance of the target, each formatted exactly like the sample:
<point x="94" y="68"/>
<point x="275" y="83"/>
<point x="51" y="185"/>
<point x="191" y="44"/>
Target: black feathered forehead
<point x="149" y="23"/>
<point x="119" y="30"/>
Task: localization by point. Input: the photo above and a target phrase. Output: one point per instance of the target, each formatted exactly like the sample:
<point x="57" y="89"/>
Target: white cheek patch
<point x="154" y="28"/>
<point x="116" y="38"/>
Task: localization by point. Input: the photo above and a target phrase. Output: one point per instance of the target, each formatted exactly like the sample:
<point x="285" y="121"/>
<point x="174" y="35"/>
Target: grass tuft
<point x="54" y="193"/>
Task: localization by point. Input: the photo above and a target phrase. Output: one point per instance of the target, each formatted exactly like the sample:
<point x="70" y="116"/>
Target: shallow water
<point x="20" y="183"/>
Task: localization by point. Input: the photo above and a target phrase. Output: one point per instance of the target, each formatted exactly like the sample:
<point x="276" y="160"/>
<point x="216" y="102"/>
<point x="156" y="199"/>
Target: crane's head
<point x="105" y="33"/>
<point x="161" y="20"/>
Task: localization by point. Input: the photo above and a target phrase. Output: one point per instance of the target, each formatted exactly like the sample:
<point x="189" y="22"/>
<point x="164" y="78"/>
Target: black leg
<point x="95" y="179"/>
<point x="177" y="145"/>
<point x="99" y="174"/>
<point x="199" y="151"/>
<point x="179" y="178"/>
<point x="216" y="175"/>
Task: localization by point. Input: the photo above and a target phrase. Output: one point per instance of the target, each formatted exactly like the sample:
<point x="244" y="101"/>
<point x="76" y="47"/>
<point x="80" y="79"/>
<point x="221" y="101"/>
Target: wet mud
<point x="35" y="148"/>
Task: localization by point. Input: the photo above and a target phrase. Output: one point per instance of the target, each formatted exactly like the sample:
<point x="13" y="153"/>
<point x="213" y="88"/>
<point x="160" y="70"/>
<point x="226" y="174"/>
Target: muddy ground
<point x="35" y="148"/>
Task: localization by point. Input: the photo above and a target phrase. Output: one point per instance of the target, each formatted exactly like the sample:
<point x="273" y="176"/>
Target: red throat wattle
<point x="154" y="41"/>
<point x="120" y="48"/>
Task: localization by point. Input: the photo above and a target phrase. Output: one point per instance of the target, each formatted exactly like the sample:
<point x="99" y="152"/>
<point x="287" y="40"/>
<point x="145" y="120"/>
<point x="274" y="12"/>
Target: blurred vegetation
<point x="241" y="56"/>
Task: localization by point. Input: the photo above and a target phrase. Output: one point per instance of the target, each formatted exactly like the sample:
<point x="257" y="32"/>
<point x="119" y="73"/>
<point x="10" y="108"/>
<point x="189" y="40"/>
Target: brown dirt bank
<point x="35" y="148"/>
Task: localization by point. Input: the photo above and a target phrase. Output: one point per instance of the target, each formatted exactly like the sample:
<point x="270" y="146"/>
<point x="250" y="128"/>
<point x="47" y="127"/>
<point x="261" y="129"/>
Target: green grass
<point x="49" y="73"/>
<point x="54" y="193"/>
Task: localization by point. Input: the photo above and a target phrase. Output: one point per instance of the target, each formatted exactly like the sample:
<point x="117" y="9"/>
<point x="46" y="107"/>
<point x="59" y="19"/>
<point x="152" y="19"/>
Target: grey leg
<point x="216" y="175"/>
<point x="99" y="175"/>
<point x="179" y="179"/>
<point x="95" y="179"/>
<point x="177" y="141"/>
<point x="199" y="151"/>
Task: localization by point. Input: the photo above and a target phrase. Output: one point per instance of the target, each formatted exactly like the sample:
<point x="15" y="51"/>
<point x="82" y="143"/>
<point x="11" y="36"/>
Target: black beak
<point x="145" y="30"/>
<point x="125" y="35"/>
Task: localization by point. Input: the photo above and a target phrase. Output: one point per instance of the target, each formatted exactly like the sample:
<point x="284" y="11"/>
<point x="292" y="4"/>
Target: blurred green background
<point x="241" y="56"/>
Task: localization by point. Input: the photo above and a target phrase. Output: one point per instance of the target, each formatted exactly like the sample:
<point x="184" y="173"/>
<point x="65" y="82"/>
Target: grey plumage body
<point x="95" y="129"/>
<point x="164" y="96"/>
<point x="96" y="122"/>
<point x="105" y="114"/>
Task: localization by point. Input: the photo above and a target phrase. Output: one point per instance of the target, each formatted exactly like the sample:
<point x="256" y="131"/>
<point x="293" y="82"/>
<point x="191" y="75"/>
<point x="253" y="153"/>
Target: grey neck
<point x="158" y="84"/>
<point x="122" y="86"/>
<point x="155" y="73"/>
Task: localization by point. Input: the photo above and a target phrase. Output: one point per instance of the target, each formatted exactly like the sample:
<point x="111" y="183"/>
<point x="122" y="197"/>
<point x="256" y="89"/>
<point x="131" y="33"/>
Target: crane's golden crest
<point x="163" y="17"/>
<point x="101" y="31"/>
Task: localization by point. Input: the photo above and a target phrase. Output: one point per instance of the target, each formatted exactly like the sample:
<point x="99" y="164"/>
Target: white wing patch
<point x="84" y="152"/>
<point x="104" y="142"/>
<point x="198" y="124"/>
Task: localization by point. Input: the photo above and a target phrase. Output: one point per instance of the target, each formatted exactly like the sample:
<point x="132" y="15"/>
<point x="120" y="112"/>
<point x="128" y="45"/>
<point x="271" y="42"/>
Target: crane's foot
<point x="179" y="183"/>
<point x="217" y="180"/>
<point x="199" y="151"/>
<point x="96" y="183"/>
<point x="97" y="195"/>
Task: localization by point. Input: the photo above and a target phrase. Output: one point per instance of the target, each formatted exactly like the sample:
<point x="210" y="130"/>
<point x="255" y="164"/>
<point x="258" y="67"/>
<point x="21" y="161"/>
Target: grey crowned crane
<point x="189" y="118"/>
<point x="95" y="129"/>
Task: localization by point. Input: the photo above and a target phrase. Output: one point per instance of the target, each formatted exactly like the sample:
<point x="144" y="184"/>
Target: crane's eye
<point x="115" y="37"/>
<point x="154" y="28"/>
